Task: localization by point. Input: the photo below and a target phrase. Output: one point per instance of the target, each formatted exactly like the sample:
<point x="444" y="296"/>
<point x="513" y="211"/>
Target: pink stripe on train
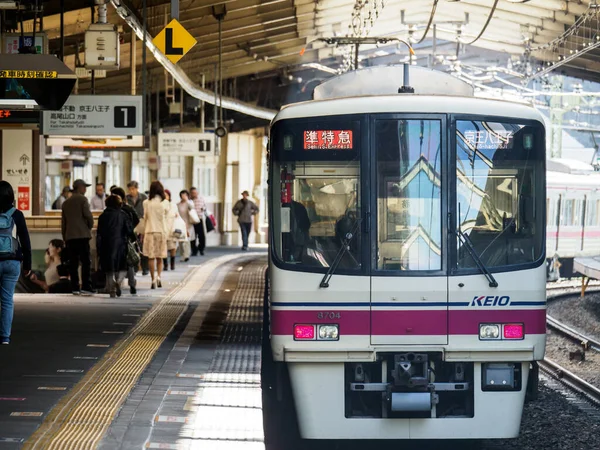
<point x="411" y="322"/>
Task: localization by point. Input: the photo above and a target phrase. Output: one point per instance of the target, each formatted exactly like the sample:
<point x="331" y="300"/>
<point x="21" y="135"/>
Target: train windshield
<point x="499" y="169"/>
<point x="316" y="176"/>
<point x="486" y="178"/>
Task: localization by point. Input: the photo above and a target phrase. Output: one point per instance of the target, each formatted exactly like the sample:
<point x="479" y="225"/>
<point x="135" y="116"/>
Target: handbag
<point x="179" y="229"/>
<point x="133" y="255"/>
<point x="194" y="218"/>
<point x="210" y="225"/>
<point x="140" y="228"/>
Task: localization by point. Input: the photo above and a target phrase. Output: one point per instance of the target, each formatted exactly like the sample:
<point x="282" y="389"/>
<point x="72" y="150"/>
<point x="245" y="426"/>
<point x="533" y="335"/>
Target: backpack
<point x="8" y="234"/>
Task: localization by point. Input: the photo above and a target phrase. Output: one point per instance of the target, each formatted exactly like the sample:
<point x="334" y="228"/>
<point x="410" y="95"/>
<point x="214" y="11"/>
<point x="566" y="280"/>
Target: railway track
<point x="557" y="372"/>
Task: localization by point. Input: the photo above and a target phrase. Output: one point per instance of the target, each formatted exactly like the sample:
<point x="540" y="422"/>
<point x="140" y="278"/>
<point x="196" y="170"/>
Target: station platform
<point x="172" y="368"/>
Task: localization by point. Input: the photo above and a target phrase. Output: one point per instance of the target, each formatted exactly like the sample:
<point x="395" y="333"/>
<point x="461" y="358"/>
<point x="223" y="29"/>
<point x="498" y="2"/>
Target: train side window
<point x="499" y="170"/>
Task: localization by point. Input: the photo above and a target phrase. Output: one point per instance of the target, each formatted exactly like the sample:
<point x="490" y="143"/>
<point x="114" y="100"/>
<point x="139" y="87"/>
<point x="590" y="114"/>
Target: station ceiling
<point x="265" y="38"/>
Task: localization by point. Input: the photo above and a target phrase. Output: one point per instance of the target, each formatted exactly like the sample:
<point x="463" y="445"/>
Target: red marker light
<point x="304" y="331"/>
<point x="513" y="331"/>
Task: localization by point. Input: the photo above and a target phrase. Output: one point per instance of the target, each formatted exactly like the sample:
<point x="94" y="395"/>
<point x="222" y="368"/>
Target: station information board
<point x="96" y="115"/>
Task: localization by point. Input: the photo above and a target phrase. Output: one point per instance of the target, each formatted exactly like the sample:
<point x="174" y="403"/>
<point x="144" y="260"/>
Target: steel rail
<point x="572" y="381"/>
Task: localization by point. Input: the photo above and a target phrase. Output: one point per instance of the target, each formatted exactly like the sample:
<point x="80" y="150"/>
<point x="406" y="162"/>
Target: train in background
<point x="407" y="275"/>
<point x="572" y="215"/>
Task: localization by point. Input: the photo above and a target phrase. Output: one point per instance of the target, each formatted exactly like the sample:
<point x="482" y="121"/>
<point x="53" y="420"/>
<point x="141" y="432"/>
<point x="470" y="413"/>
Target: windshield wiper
<point x="466" y="241"/>
<point x="341" y="252"/>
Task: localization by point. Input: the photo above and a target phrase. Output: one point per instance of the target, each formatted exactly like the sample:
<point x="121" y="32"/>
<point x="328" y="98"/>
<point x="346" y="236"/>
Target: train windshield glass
<point x="499" y="167"/>
<point x="316" y="189"/>
<point x="408" y="155"/>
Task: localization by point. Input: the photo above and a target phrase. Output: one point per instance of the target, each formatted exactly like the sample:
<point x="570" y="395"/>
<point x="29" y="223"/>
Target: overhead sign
<point x="97" y="116"/>
<point x="174" y="41"/>
<point x="19" y="116"/>
<point x="185" y="144"/>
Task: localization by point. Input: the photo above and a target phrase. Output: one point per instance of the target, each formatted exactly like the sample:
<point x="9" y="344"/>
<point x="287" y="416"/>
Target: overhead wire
<point x="487" y="22"/>
<point x="433" y="9"/>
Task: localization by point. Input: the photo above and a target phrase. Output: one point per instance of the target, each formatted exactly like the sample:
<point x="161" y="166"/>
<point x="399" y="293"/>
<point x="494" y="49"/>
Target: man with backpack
<point x="77" y="223"/>
<point x="65" y="194"/>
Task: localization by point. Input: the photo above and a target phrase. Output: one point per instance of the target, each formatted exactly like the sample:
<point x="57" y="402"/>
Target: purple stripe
<point x="411" y="322"/>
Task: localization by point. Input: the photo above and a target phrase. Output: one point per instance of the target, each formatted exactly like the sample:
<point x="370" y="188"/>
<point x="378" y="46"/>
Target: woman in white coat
<point x="156" y="210"/>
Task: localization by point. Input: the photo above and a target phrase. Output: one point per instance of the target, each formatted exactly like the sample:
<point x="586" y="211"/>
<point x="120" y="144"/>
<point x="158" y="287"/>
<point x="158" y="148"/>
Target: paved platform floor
<point x="59" y="340"/>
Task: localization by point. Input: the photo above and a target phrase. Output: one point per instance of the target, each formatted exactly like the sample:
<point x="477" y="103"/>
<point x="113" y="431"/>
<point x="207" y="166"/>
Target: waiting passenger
<point x="63" y="284"/>
<point x="187" y="211"/>
<point x="12" y="252"/>
<point x="114" y="228"/>
<point x="77" y="223"/>
<point x="136" y="199"/>
<point x="156" y="210"/>
<point x="245" y="209"/>
<point x="97" y="201"/>
<point x="66" y="193"/>
<point x="176" y="229"/>
<point x="134" y="220"/>
<point x="53" y="258"/>
<point x="200" y="207"/>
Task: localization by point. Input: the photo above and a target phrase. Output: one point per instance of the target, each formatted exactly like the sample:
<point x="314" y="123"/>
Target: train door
<point x="409" y="285"/>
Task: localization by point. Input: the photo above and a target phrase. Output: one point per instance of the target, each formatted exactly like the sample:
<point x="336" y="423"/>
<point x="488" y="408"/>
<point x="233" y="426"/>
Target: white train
<point x="573" y="213"/>
<point x="407" y="258"/>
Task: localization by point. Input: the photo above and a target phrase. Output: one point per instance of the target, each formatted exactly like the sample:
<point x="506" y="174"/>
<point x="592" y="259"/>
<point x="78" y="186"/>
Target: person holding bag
<point x="113" y="233"/>
<point x="189" y="215"/>
<point x="133" y="248"/>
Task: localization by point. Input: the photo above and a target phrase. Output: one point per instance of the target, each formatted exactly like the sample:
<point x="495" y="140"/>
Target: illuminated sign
<point x="328" y="140"/>
<point x="38" y="74"/>
<point x="19" y="116"/>
<point x="489" y="140"/>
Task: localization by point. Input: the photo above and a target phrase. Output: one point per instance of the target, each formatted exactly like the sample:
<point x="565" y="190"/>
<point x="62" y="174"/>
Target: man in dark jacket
<point x="77" y="223"/>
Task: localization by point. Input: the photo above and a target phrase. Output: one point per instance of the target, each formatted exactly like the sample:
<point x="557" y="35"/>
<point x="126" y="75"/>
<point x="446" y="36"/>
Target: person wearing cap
<point x="77" y="223"/>
<point x="244" y="209"/>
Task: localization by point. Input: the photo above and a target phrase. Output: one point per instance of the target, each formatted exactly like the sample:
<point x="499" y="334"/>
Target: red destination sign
<point x="328" y="140"/>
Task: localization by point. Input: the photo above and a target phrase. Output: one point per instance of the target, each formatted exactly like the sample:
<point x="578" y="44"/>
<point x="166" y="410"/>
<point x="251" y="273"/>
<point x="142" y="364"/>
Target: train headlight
<point x="489" y="331"/>
<point x="329" y="333"/>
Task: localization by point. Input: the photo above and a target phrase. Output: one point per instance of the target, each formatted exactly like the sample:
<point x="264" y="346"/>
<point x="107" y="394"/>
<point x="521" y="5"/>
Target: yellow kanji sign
<point x="174" y="41"/>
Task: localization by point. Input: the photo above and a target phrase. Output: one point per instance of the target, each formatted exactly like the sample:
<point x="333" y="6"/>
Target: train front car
<point x="407" y="264"/>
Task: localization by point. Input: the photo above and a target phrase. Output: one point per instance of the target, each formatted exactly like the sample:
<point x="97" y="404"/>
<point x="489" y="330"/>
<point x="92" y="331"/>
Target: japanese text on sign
<point x="328" y="139"/>
<point x="28" y="74"/>
<point x="487" y="140"/>
<point x="23" y="200"/>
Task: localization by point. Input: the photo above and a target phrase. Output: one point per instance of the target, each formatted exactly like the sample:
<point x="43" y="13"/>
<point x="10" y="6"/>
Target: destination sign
<point x="328" y="140"/>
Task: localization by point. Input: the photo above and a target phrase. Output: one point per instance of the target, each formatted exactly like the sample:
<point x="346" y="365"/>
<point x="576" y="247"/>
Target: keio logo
<point x="491" y="300"/>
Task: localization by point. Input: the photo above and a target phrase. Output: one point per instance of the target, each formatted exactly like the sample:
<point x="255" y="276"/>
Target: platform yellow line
<point x="81" y="418"/>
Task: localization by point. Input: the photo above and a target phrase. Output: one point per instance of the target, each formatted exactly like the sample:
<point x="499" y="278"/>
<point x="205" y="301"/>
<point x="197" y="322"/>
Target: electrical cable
<point x="487" y="22"/>
<point x="433" y="9"/>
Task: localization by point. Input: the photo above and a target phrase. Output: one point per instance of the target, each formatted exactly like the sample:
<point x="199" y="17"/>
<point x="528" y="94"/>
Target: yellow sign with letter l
<point x="174" y="41"/>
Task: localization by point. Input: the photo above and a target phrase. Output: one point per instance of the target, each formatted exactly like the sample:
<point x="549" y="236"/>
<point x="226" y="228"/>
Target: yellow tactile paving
<point x="82" y="417"/>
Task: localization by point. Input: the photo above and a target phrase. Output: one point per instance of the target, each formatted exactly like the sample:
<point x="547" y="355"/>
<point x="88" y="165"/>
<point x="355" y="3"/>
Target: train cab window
<point x="591" y="215"/>
<point x="409" y="232"/>
<point x="316" y="184"/>
<point x="499" y="170"/>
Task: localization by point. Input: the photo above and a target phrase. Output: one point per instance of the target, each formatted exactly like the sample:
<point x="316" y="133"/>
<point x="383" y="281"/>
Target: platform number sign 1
<point x="124" y="117"/>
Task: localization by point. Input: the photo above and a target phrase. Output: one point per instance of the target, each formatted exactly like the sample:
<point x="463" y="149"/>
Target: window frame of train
<point x="295" y="127"/>
<point x="538" y="200"/>
<point x="374" y="197"/>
